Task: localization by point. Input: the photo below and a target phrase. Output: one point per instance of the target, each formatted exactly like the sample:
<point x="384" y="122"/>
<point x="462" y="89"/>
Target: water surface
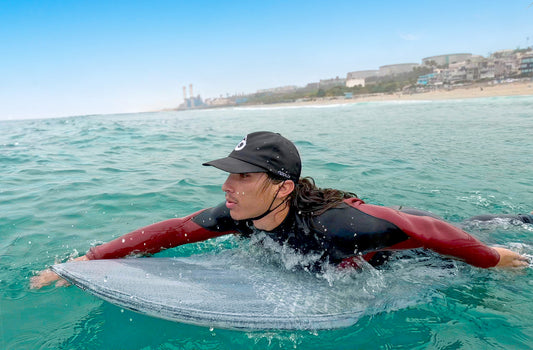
<point x="70" y="183"/>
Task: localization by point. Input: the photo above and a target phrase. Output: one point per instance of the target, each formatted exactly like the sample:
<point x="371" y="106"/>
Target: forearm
<point x="446" y="239"/>
<point x="154" y="238"/>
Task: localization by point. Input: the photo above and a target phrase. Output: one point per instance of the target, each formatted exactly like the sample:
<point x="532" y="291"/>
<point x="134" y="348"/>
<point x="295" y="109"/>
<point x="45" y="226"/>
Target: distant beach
<point x="478" y="90"/>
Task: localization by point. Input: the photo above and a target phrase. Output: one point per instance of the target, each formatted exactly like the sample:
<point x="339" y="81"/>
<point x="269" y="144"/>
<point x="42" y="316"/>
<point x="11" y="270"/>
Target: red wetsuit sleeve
<point x="434" y="234"/>
<point x="154" y="238"/>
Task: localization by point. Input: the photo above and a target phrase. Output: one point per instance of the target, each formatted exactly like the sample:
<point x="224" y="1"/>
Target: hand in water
<point x="47" y="277"/>
<point x="510" y="259"/>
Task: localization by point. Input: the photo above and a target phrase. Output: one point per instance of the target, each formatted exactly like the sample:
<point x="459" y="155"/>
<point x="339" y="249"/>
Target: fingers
<point x="521" y="261"/>
<point x="62" y="283"/>
<point x="43" y="279"/>
<point x="510" y="259"/>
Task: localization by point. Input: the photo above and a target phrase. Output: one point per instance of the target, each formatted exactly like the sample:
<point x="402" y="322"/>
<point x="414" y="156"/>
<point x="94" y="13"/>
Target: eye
<point x="245" y="175"/>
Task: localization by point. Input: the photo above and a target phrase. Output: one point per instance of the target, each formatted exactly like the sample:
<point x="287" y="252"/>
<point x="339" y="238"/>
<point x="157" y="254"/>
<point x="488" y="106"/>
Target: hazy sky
<point x="63" y="58"/>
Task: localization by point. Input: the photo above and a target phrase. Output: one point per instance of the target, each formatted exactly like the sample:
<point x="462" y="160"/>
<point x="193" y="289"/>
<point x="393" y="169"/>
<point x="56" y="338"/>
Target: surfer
<point x="265" y="195"/>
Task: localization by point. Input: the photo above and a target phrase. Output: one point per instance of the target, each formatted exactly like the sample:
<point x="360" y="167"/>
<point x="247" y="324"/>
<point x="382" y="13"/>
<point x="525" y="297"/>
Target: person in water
<point x="265" y="193"/>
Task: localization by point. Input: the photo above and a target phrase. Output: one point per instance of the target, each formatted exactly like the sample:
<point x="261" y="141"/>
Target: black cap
<point x="263" y="152"/>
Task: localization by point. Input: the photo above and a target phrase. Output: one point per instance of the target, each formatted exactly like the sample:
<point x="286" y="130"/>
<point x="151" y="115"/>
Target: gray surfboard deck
<point x="213" y="291"/>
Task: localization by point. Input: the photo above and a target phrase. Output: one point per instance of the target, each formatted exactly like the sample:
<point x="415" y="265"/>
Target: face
<point x="247" y="196"/>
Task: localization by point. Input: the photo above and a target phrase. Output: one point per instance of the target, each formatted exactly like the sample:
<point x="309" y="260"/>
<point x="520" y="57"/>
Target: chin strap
<point x="269" y="210"/>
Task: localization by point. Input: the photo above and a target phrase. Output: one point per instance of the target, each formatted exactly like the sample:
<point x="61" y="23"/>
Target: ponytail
<point x="310" y="200"/>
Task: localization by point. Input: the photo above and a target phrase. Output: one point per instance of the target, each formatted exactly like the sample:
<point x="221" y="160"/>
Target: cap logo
<point x="283" y="174"/>
<point x="241" y="144"/>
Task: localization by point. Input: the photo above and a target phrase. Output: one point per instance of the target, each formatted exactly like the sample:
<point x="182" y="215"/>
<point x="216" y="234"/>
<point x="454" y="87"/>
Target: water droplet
<point x="123" y="240"/>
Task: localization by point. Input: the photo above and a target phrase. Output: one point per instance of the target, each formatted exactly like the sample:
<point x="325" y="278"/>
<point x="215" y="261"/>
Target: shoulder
<point x="353" y="215"/>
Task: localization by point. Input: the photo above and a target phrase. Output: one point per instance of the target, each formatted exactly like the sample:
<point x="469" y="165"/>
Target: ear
<point x="286" y="188"/>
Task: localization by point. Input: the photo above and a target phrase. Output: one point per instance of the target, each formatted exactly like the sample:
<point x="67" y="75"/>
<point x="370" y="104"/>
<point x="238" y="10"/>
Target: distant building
<point x="278" y="90"/>
<point x="394" y="69"/>
<point x="526" y="66"/>
<point x="194" y="102"/>
<point x="330" y="83"/>
<point x="355" y="82"/>
<point x="426" y="79"/>
<point x="241" y="100"/>
<point x="358" y="78"/>
<point x="362" y="74"/>
<point x="445" y="60"/>
<point x="219" y="101"/>
<point x="503" y="54"/>
<point x="191" y="102"/>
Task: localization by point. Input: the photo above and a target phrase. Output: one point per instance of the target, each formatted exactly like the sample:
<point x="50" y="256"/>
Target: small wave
<point x="496" y="224"/>
<point x="523" y="249"/>
<point x="112" y="170"/>
<point x="335" y="166"/>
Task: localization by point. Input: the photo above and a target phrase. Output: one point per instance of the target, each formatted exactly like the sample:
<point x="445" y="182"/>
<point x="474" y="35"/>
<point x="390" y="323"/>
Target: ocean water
<point x="69" y="183"/>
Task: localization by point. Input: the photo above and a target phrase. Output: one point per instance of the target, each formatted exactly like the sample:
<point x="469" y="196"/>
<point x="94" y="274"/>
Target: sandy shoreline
<point x="472" y="91"/>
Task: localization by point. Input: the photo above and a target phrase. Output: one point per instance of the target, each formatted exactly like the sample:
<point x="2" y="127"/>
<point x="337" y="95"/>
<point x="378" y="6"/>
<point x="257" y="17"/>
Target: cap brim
<point x="235" y="166"/>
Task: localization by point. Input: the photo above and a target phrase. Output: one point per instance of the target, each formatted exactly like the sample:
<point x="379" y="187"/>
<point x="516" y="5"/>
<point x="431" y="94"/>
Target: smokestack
<point x="190" y="90"/>
<point x="184" y="93"/>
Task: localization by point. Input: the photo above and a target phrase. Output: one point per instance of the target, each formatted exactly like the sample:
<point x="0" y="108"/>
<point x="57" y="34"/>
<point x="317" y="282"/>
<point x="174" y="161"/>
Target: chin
<point x="236" y="216"/>
<point x="239" y="217"/>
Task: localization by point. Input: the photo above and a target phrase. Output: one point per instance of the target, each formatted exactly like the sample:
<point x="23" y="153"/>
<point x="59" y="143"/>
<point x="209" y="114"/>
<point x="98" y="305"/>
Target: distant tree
<point x="321" y="93"/>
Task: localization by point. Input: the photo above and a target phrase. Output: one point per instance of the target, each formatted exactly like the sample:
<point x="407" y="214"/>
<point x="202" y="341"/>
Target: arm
<point x="147" y="240"/>
<point x="434" y="234"/>
<point x="154" y="238"/>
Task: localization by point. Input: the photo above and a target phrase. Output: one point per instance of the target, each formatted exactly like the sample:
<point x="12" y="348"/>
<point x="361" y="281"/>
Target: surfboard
<point x="218" y="291"/>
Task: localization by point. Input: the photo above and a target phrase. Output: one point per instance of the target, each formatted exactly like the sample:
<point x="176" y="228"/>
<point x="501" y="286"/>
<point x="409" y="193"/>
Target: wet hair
<point x="310" y="200"/>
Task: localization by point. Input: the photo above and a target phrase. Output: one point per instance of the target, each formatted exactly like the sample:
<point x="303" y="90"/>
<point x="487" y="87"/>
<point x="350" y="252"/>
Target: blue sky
<point x="64" y="58"/>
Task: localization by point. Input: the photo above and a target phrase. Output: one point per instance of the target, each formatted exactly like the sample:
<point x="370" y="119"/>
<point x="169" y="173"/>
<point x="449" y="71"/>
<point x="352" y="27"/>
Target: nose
<point x="227" y="185"/>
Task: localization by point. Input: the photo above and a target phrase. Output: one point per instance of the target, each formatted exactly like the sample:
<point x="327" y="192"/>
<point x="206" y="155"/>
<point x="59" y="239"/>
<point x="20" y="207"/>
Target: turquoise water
<point x="70" y="183"/>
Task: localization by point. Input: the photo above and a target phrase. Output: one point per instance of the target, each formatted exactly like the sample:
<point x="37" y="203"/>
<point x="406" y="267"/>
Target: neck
<point x="273" y="219"/>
